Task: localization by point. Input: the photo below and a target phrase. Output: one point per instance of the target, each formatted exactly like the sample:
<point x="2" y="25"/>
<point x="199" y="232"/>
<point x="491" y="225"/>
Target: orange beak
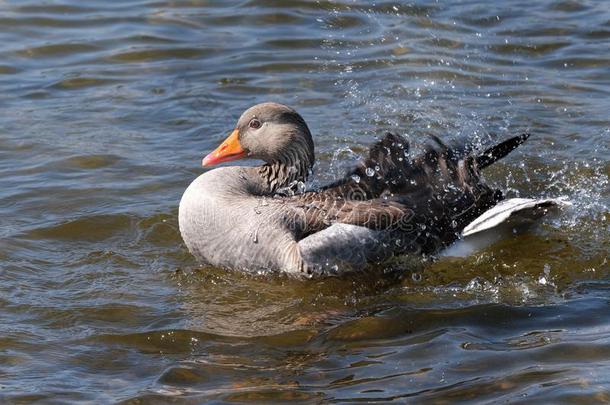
<point x="229" y="150"/>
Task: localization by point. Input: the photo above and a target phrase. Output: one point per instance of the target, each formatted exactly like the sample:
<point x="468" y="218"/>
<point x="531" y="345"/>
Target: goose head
<point x="271" y="132"/>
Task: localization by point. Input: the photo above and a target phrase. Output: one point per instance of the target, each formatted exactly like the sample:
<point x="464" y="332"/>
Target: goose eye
<point x="256" y="124"/>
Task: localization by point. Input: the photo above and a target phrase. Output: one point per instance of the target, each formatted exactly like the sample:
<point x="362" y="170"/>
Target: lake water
<point x="108" y="107"/>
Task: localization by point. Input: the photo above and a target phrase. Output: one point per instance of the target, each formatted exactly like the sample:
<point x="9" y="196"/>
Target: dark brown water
<point x="108" y="107"/>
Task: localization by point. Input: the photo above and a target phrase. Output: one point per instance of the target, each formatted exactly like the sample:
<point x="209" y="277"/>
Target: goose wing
<point x="422" y="203"/>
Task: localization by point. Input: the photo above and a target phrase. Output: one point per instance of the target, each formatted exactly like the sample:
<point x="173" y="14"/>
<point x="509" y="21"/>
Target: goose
<point x="391" y="204"/>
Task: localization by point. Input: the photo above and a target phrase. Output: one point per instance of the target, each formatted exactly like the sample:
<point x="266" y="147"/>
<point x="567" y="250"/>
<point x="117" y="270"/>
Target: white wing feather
<point x="505" y="209"/>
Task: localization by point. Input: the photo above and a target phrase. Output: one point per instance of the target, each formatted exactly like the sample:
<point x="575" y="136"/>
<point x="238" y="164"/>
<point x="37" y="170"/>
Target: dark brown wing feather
<point x="423" y="202"/>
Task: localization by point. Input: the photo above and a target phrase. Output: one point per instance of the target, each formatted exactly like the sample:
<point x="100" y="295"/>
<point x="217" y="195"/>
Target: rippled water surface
<point x="108" y="107"/>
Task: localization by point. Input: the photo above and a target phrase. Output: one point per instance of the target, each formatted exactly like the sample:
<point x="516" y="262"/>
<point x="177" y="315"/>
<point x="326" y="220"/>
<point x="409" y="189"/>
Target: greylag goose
<point x="252" y="218"/>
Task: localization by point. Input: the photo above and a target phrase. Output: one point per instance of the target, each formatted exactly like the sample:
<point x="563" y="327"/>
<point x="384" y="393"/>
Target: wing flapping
<point x="425" y="201"/>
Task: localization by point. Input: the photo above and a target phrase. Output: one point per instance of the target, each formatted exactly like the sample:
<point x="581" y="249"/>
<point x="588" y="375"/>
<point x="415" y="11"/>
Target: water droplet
<point x="547" y="269"/>
<point x="356" y="178"/>
<point x="454" y="224"/>
<point x="254" y="236"/>
<point x="370" y="172"/>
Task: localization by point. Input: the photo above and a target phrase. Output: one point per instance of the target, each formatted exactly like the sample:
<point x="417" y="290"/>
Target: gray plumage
<point x="234" y="217"/>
